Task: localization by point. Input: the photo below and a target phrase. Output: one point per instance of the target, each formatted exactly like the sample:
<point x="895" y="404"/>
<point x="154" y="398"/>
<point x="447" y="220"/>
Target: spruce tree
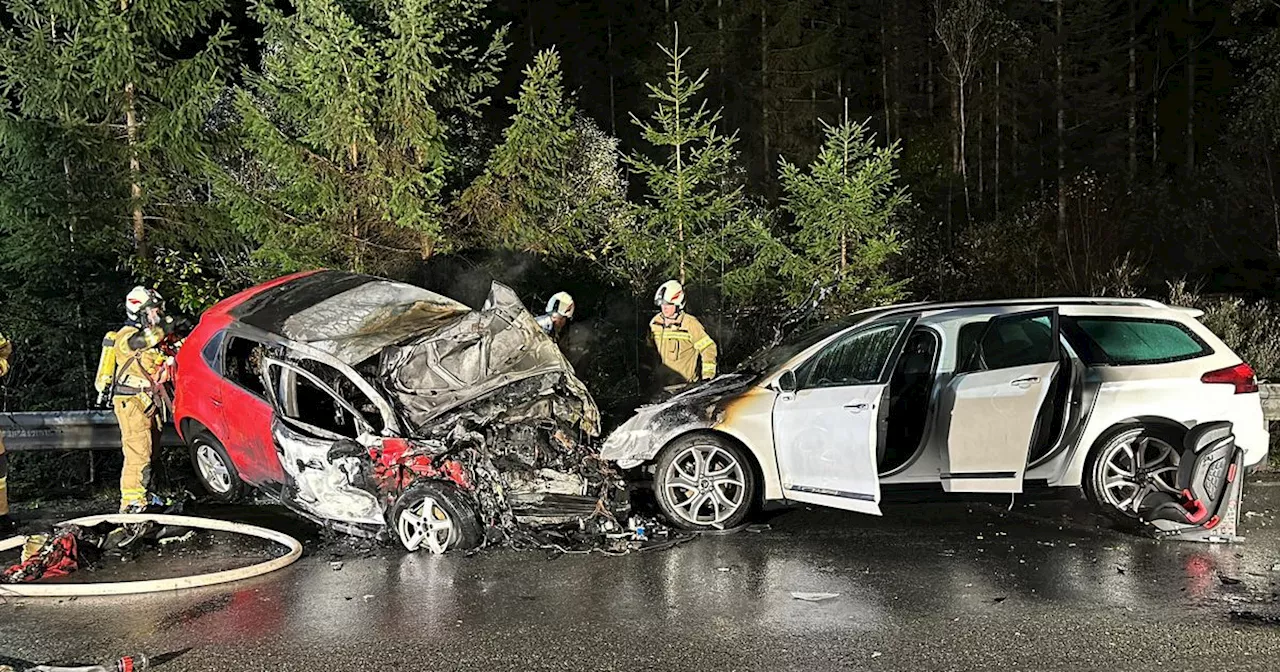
<point x="541" y="191"/>
<point x="845" y="206"/>
<point x="349" y="128"/>
<point x="691" y="195"/>
<point x="135" y="80"/>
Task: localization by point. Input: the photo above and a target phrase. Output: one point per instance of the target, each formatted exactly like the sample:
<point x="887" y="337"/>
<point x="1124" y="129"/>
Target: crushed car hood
<point x="652" y="427"/>
<point x="474" y="354"/>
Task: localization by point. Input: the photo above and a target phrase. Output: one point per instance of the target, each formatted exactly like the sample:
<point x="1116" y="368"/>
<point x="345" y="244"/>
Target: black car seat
<point x="1210" y="463"/>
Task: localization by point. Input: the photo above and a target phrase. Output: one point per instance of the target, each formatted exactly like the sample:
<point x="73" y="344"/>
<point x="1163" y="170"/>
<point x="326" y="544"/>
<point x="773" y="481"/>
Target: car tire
<point x="1108" y="463"/>
<point x="214" y="468"/>
<point x="704" y="482"/>
<point x="436" y="517"/>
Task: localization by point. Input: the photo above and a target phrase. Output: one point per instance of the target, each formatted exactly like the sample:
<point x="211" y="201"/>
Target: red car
<point x="367" y="405"/>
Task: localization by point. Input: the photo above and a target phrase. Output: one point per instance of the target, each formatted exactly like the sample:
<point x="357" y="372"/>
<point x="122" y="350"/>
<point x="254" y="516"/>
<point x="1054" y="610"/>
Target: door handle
<point x="216" y="402"/>
<point x="1026" y="382"/>
<point x="856" y="406"/>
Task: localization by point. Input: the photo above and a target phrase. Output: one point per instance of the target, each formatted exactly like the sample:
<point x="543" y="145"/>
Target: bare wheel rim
<point x="1134" y="466"/>
<point x="705" y="485"/>
<point x="425" y="524"/>
<point x="214" y="471"/>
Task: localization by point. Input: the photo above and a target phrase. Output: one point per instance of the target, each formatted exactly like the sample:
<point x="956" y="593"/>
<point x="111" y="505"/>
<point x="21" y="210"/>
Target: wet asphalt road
<point x="931" y="586"/>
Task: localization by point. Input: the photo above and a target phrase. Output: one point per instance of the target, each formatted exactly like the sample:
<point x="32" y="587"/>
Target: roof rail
<point x="1066" y="300"/>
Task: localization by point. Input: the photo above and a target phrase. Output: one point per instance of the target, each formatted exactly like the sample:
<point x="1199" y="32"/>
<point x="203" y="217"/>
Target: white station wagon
<point x="980" y="397"/>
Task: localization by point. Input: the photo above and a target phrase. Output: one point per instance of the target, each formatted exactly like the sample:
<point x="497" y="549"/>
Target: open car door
<point x="1002" y="380"/>
<point x="826" y="419"/>
<point x="322" y="440"/>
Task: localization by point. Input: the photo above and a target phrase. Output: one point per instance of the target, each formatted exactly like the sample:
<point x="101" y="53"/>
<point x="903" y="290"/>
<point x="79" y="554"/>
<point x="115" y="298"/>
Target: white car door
<point x="995" y="399"/>
<point x="825" y="421"/>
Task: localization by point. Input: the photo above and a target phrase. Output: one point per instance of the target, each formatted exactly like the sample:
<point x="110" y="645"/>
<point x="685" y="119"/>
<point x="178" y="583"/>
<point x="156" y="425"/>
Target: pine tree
<point x="845" y="208"/>
<point x="105" y="71"/>
<point x="691" y="197"/>
<point x="348" y="128"/>
<point x="531" y="197"/>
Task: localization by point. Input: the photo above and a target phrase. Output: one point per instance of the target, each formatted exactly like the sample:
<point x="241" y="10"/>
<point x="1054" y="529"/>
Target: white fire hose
<point x="157" y="585"/>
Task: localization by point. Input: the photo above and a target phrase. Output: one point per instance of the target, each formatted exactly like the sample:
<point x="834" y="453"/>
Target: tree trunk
<point x="1191" y="88"/>
<point x="357" y="258"/>
<point x="840" y="40"/>
<point x="895" y="67"/>
<point x="996" y="175"/>
<point x="723" y="57"/>
<point x="964" y="157"/>
<point x="928" y="81"/>
<point x="982" y="143"/>
<point x="1133" y="90"/>
<point x="528" y="21"/>
<point x="679" y="147"/>
<point x="1060" y="106"/>
<point x="1275" y="203"/>
<point x="955" y="129"/>
<point x="1155" y="102"/>
<point x="764" y="88"/>
<point x="613" y="111"/>
<point x="135" y="166"/>
<point x="884" y="74"/>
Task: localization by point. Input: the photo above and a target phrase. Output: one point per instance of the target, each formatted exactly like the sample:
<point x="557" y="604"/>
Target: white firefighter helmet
<point x="561" y="304"/>
<point x="139" y="299"/>
<point x="671" y="292"/>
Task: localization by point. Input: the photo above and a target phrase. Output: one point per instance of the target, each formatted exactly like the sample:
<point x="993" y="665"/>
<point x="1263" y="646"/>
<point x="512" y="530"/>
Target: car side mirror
<point x="787" y="381"/>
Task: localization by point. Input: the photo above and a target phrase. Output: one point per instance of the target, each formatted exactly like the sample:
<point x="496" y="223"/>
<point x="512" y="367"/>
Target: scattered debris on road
<point x="815" y="597"/>
<point x="1244" y="616"/>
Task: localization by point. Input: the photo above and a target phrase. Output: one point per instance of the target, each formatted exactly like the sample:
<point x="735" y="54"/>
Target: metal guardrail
<point x="68" y="430"/>
<point x="97" y="430"/>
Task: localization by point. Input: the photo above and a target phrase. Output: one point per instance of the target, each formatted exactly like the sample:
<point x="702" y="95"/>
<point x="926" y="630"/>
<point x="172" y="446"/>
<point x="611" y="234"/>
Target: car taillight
<point x="1240" y="375"/>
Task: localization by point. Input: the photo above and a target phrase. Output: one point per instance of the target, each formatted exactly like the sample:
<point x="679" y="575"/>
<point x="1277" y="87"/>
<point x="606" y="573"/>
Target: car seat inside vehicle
<point x="904" y="421"/>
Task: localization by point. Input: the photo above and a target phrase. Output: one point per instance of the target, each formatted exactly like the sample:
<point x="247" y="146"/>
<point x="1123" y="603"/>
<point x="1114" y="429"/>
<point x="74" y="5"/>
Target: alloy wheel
<point x="705" y="484"/>
<point x="1134" y="467"/>
<point x="213" y="469"/>
<point x="426" y="524"/>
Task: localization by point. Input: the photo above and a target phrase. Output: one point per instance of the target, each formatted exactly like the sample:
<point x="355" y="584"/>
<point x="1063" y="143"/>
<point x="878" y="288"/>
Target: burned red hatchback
<point x="375" y="407"/>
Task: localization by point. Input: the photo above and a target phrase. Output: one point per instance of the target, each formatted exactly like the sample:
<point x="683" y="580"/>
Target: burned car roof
<point x="348" y="315"/>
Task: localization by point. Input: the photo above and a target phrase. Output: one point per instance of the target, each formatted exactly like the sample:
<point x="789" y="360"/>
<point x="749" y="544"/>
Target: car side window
<point x="858" y="358"/>
<point x="1012" y="341"/>
<point x="242" y="364"/>
<point x="318" y="407"/>
<point x="212" y="352"/>
<point x="302" y="397"/>
<point x="338" y="384"/>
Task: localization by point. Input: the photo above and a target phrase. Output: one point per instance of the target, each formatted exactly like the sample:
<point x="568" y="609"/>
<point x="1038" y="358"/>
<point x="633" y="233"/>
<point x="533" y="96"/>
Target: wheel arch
<point x="189" y="426"/>
<point x="1155" y="421"/>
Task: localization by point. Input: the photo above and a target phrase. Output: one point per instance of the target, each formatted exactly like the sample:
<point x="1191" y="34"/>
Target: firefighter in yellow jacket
<point x="685" y="350"/>
<point x="6" y="523"/>
<point x="141" y="369"/>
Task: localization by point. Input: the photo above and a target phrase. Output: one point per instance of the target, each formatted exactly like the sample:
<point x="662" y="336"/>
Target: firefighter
<point x="685" y="350"/>
<point x="138" y="396"/>
<point x="559" y="313"/>
<point x="6" y="523"/>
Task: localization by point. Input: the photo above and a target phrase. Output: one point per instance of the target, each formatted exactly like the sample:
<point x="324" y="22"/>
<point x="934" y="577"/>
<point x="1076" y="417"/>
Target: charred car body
<point x="374" y="406"/>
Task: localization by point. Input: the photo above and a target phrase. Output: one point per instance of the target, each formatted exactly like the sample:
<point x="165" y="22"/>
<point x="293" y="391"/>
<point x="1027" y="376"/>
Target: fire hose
<point x="158" y="585"/>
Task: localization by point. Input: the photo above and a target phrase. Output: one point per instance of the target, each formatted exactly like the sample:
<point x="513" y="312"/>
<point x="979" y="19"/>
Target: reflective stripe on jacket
<point x="681" y="344"/>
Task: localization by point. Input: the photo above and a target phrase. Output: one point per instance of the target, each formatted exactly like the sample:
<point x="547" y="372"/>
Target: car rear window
<point x="1127" y="341"/>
